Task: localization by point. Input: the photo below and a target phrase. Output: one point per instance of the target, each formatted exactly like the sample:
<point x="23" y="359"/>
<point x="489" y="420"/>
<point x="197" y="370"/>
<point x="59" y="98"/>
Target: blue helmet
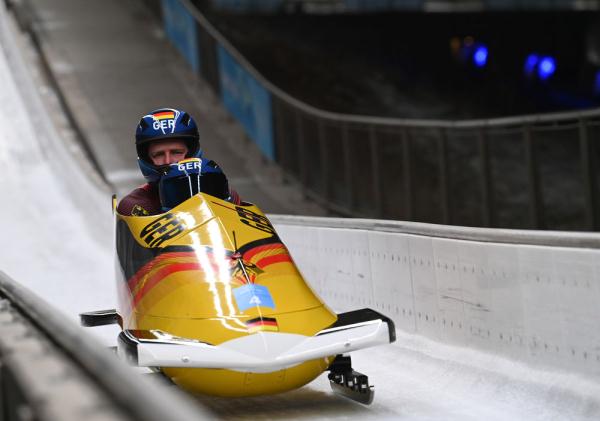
<point x="179" y="182"/>
<point x="163" y="124"/>
<point x="188" y="177"/>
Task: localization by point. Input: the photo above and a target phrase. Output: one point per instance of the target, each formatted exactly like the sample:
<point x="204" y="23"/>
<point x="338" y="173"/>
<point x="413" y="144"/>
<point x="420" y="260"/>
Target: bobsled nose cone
<point x="265" y="345"/>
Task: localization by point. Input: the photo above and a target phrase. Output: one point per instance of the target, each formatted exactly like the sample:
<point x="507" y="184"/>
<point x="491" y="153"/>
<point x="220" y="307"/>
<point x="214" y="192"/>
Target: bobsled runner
<point x="210" y="296"/>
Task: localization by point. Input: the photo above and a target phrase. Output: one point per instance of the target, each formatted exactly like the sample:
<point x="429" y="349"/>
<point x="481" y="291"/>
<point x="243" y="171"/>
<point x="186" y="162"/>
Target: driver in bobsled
<point x="170" y="158"/>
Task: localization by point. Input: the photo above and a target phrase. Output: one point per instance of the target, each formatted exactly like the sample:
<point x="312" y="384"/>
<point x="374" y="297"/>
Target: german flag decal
<point x="262" y="324"/>
<point x="164" y="115"/>
<point x="267" y="254"/>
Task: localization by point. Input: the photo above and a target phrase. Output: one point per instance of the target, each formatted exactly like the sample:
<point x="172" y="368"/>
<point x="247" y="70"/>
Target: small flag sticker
<point x="259" y="324"/>
<point x="164" y="115"/>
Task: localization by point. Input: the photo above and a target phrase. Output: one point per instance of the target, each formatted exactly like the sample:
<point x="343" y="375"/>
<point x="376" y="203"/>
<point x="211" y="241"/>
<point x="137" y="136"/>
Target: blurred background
<point x="475" y="113"/>
<point x="464" y="60"/>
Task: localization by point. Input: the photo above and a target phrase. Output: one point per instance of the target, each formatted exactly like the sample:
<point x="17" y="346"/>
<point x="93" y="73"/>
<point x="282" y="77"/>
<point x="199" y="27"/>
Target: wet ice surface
<point x="418" y="379"/>
<point x="56" y="221"/>
<point x="57" y="242"/>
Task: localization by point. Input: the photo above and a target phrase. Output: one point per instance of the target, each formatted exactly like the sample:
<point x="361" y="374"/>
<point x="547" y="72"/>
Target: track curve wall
<point x="526" y="295"/>
<point x="509" y="172"/>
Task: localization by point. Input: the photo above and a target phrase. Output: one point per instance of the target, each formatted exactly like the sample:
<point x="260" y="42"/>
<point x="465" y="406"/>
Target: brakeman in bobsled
<point x="162" y="137"/>
<point x="210" y="296"/>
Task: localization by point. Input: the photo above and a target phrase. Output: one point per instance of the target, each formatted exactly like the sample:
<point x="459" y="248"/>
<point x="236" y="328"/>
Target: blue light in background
<point x="531" y="62"/>
<point x="597" y="83"/>
<point x="480" y="56"/>
<point x="546" y="68"/>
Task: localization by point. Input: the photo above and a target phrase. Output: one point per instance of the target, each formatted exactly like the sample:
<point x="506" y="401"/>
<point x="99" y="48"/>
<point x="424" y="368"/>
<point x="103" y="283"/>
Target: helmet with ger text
<point x="184" y="179"/>
<point x="165" y="124"/>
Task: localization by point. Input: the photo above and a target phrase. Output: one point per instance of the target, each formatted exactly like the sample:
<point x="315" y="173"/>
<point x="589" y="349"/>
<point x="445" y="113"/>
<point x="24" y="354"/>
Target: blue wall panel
<point x="180" y="27"/>
<point x="249" y="5"/>
<point x="248" y="101"/>
<point x="382" y="5"/>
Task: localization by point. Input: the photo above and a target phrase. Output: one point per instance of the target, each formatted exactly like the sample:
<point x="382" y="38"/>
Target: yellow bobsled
<point x="210" y="296"/>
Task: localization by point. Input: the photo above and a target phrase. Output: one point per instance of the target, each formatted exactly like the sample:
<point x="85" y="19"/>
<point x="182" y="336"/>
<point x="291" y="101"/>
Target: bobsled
<point x="209" y="296"/>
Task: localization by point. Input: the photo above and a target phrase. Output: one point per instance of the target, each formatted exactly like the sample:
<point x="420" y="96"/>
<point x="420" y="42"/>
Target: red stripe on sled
<point x="148" y="267"/>
<point x="253" y="252"/>
<point x="144" y="270"/>
<point x="161" y="274"/>
<point x="270" y="260"/>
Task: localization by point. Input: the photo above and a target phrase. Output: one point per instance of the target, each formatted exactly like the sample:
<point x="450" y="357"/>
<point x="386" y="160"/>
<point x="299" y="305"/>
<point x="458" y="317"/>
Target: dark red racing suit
<point x="144" y="201"/>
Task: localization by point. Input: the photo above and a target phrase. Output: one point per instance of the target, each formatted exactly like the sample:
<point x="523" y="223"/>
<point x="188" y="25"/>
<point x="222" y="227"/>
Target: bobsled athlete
<point x="208" y="294"/>
<point x="163" y="137"/>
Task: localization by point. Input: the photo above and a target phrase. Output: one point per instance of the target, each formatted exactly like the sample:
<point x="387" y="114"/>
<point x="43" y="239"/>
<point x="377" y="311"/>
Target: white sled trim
<point x="261" y="352"/>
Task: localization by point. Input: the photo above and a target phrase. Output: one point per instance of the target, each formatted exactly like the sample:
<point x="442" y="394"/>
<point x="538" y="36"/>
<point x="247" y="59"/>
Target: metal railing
<point x="537" y="171"/>
<point x="51" y="370"/>
<point x="379" y="6"/>
<point x="562" y="239"/>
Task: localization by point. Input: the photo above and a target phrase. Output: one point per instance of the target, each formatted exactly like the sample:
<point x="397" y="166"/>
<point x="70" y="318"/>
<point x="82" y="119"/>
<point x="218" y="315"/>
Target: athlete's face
<point x="167" y="152"/>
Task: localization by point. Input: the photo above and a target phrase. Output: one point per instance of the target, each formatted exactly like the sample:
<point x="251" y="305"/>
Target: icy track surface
<point x="56" y="221"/>
<point x="58" y="242"/>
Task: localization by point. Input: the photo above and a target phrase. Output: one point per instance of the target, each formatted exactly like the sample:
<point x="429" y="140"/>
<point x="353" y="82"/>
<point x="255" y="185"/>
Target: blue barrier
<point x="247" y="100"/>
<point x="249" y="5"/>
<point x="180" y="27"/>
<point x="363" y="6"/>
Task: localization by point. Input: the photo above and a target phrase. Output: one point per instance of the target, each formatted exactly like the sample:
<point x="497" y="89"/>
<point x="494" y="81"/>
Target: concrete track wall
<point x="51" y="193"/>
<point x="536" y="301"/>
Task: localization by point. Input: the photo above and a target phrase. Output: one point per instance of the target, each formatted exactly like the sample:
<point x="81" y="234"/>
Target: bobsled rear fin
<point x="99" y="318"/>
<point x="355" y="318"/>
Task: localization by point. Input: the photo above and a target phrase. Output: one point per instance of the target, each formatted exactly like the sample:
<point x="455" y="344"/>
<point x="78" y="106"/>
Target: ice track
<point x="57" y="241"/>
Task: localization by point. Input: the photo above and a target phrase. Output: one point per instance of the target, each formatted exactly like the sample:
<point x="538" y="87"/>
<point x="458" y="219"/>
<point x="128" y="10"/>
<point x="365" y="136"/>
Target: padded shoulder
<point x="210" y="166"/>
<point x="140" y="202"/>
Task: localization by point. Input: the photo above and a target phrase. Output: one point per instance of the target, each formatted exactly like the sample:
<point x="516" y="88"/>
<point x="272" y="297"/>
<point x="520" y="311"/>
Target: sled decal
<point x="162" y="229"/>
<point x="163" y="260"/>
<point x="259" y="324"/>
<point x="264" y="256"/>
<point x="252" y="219"/>
<point x="252" y="295"/>
<point x="155" y="271"/>
<point x="168" y="263"/>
